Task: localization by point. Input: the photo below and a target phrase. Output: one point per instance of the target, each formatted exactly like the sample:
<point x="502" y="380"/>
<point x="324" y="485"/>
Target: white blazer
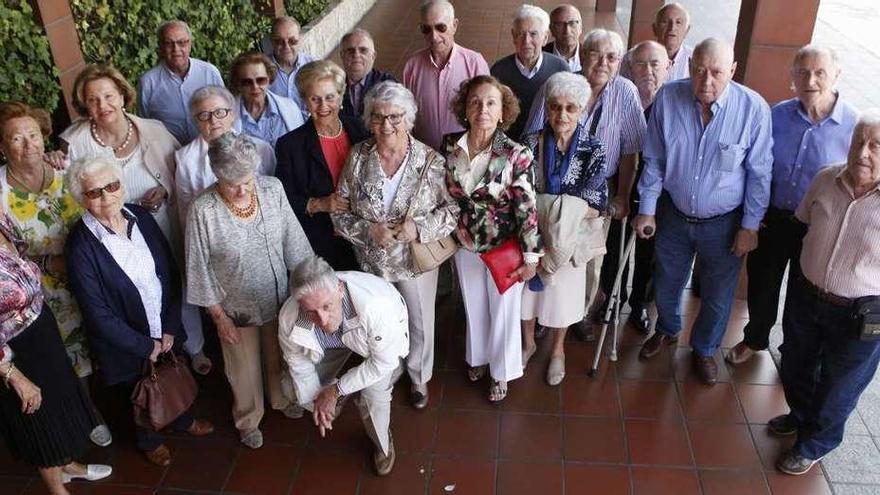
<point x="379" y="334"/>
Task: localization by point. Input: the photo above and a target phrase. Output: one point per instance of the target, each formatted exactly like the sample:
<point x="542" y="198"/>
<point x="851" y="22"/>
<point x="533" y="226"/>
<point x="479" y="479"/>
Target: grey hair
<point x="206" y="92"/>
<point x="443" y="4"/>
<point x="599" y="34"/>
<point x="869" y="118"/>
<point x="392" y="93"/>
<point x="812" y="50"/>
<point x="673" y="5"/>
<point x="311" y="275"/>
<point x="283" y="19"/>
<point x="357" y="31"/>
<point x="233" y="156"/>
<point x="568" y="84"/>
<point x="528" y="11"/>
<point x="87" y="167"/>
<point x="174" y="22"/>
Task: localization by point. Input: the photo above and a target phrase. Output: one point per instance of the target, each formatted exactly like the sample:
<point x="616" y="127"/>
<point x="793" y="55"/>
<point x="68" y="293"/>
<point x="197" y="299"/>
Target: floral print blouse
<point x="21" y="299"/>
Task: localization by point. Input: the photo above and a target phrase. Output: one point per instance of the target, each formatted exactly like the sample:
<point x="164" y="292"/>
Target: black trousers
<point x="779" y="245"/>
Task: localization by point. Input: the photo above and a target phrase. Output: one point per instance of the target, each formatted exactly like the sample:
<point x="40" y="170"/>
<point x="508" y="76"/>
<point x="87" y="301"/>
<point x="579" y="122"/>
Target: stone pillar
<point x="641" y="19"/>
<point x="768" y="34"/>
<point x="57" y="19"/>
<point x="606" y="5"/>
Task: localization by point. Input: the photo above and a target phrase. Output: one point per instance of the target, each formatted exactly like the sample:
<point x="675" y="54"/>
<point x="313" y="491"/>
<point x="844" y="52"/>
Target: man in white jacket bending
<point x="328" y="317"/>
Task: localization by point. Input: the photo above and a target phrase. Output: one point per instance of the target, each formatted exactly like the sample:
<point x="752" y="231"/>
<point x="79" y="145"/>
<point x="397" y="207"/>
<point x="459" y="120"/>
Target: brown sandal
<point x="476" y="373"/>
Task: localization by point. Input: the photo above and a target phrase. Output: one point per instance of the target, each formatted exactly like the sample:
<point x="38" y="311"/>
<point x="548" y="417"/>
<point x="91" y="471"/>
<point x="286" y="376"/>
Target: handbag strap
<point x="595" y="123"/>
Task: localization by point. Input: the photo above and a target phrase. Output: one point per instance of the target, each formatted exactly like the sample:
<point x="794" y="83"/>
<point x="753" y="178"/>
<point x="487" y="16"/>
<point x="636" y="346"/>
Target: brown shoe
<point x="740" y="353"/>
<point x="656" y="343"/>
<point x="200" y="428"/>
<point x="159" y="456"/>
<point x="706" y="369"/>
<point x="385" y="463"/>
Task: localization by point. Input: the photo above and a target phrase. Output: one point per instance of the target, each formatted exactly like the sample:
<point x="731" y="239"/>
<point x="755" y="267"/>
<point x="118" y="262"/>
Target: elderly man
<point x="433" y="74"/>
<point x="566" y="27"/>
<point x="526" y="70"/>
<point x="829" y="356"/>
<point x="288" y="59"/>
<point x="708" y="164"/>
<point x="328" y="317"/>
<point x="358" y="54"/>
<point x="164" y="91"/>
<point x="810" y="132"/>
<point x="671" y="25"/>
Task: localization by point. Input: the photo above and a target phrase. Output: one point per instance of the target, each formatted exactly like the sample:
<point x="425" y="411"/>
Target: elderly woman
<point x="241" y="239"/>
<point x="569" y="170"/>
<point x="123" y="274"/>
<point x="310" y="160"/>
<point x="491" y="177"/>
<point x="42" y="211"/>
<point x="396" y="190"/>
<point x="262" y="113"/>
<point x="144" y="150"/>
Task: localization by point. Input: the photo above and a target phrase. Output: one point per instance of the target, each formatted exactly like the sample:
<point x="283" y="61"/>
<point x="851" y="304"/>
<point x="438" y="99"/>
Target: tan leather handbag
<point x="429" y="255"/>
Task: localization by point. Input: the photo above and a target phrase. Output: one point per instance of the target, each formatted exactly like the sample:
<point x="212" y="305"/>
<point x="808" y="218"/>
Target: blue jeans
<point x="825" y="368"/>
<point x="677" y="242"/>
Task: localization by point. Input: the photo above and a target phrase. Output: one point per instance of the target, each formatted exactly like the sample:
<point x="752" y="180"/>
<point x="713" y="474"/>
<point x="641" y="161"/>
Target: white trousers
<point x="420" y="294"/>
<point x="493" y="319"/>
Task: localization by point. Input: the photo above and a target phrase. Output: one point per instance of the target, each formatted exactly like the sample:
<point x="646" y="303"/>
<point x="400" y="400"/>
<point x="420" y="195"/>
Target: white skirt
<point x="561" y="304"/>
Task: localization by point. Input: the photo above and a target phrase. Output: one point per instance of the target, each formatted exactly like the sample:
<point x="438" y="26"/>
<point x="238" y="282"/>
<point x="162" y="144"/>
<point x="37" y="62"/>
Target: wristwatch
<point x="339" y="394"/>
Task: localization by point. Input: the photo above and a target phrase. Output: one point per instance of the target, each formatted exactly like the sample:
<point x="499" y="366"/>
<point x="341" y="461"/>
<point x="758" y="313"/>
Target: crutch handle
<point x="648" y="230"/>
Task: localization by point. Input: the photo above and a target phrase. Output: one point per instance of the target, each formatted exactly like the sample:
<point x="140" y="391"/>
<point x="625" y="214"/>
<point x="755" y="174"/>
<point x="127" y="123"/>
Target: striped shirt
<point x="333" y="340"/>
<point x="712" y="170"/>
<point x="841" y="251"/>
<point x="621" y="127"/>
<point x="679" y="69"/>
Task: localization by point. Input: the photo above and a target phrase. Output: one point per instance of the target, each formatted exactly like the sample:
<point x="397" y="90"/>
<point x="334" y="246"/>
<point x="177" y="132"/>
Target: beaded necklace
<point x="122" y="146"/>
<point x="245" y="212"/>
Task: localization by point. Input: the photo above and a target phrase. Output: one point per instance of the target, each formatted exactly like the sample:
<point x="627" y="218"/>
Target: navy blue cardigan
<point x="113" y="314"/>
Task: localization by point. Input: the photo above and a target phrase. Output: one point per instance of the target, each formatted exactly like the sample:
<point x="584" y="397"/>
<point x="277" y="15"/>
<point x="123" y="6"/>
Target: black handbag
<point x="866" y="318"/>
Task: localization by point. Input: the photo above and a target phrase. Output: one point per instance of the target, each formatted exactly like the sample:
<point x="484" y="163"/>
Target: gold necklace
<point x="240" y="212"/>
<point x="23" y="184"/>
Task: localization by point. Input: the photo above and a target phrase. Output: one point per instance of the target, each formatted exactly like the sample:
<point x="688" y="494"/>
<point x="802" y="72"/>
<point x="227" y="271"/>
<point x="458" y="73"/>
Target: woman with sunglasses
<point x="310" y="160"/>
<point x="262" y="113"/>
<point x="127" y="284"/>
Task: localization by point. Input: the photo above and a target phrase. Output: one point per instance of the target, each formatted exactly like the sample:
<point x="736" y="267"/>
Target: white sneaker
<point x="101" y="436"/>
<point x="93" y="472"/>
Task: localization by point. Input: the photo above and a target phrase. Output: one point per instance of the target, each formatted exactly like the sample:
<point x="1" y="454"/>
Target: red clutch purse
<point x="501" y="261"/>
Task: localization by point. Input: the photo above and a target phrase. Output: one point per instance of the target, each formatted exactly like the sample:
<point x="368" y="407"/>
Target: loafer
<point x="556" y="370"/>
<point x="740" y="353"/>
<point x="252" y="439"/>
<point x="101" y="436"/>
<point x="419" y="396"/>
<point x="794" y="464"/>
<point x="583" y="330"/>
<point x="784" y="425"/>
<point x="382" y="462"/>
<point x="200" y="428"/>
<point x="159" y="456"/>
<point x="656" y="343"/>
<point x="201" y="364"/>
<point x="640" y="321"/>
<point x="93" y="472"/>
<point x="293" y="411"/>
<point x="706" y="368"/>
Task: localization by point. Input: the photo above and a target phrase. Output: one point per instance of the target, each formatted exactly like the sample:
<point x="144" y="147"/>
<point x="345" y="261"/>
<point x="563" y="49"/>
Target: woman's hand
<point x="31" y="396"/>
<point x="406" y="232"/>
<point x="227" y="331"/>
<point x="328" y="204"/>
<point x="56" y="159"/>
<point x="154" y="198"/>
<point x="167" y="342"/>
<point x="382" y="234"/>
<point x="525" y="271"/>
<point x="157" y="349"/>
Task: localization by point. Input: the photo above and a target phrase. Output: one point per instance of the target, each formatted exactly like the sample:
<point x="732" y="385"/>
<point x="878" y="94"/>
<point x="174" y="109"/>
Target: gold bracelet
<point x="8" y="374"/>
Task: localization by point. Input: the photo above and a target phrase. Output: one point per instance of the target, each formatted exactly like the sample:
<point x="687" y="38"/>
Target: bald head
<point x="671" y="26"/>
<point x="711" y="68"/>
<point x="650" y="66"/>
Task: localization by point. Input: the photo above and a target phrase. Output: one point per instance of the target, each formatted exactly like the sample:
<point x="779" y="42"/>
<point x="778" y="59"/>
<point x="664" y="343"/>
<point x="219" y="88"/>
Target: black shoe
<point x="640" y="321"/>
<point x="540" y="331"/>
<point x="794" y="464"/>
<point x="783" y="425"/>
<point x="583" y="330"/>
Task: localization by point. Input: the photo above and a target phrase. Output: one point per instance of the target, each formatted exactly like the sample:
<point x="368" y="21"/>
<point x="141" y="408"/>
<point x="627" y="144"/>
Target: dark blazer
<point x="114" y="316"/>
<point x="373" y="78"/>
<point x="304" y="174"/>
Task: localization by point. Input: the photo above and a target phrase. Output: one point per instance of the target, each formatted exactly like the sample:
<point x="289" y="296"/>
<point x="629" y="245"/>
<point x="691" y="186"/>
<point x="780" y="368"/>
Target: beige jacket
<point x="572" y="233"/>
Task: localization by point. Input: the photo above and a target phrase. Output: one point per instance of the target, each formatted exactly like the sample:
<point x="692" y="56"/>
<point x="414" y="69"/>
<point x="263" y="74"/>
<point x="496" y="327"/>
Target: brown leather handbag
<point x="166" y="391"/>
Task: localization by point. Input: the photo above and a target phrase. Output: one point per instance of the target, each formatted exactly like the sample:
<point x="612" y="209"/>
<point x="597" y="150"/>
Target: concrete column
<point x="57" y="19"/>
<point x="768" y="34"/>
<point x="606" y="5"/>
<point x="641" y="19"/>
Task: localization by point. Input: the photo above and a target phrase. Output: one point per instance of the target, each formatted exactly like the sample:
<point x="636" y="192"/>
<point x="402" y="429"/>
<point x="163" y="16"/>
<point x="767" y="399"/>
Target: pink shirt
<point x="434" y="87"/>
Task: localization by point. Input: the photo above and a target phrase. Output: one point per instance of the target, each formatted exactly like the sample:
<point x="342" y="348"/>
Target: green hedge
<point x="123" y="32"/>
<point x="27" y="72"/>
<point x="305" y="11"/>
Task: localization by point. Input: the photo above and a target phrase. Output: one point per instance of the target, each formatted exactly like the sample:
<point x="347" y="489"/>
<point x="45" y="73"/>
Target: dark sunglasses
<point x="259" y="81"/>
<point x="99" y="191"/>
<point x="440" y="27"/>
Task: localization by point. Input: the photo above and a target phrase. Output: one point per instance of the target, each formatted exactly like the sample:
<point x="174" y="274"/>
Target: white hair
<point x="310" y="276"/>
<point x="160" y="32"/>
<point x="85" y="168"/>
<point x="233" y="156"/>
<point x="673" y="5"/>
<point x="443" y="4"/>
<point x="869" y="118"/>
<point x="391" y="93"/>
<point x="568" y="84"/>
<point x="528" y="11"/>
<point x="211" y="91"/>
<point x="599" y="34"/>
<point x="812" y="50"/>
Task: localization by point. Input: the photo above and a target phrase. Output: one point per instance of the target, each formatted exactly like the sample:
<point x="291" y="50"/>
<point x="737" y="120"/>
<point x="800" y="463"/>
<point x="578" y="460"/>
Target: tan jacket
<point x="572" y="232"/>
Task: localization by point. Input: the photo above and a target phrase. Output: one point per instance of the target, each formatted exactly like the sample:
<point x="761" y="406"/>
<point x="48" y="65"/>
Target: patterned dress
<point x="43" y="221"/>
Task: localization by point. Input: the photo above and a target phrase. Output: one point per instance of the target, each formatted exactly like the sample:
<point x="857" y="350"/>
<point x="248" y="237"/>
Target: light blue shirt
<point x="285" y="84"/>
<point x="164" y="96"/>
<point x="713" y="170"/>
<point x="269" y="128"/>
<point x="802" y="148"/>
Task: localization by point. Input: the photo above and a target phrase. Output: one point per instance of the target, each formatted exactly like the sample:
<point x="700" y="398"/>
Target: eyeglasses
<point x="285" y="41"/>
<point x="173" y="43"/>
<point x="569" y="24"/>
<point x="440" y="27"/>
<point x="608" y="57"/>
<point x="256" y="81"/>
<point x="654" y="64"/>
<point x="217" y="113"/>
<point x="328" y="98"/>
<point x="99" y="191"/>
<point x="392" y="118"/>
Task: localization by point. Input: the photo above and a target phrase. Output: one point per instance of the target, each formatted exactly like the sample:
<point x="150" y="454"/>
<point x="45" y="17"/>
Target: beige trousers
<point x="420" y="294"/>
<point x="255" y="360"/>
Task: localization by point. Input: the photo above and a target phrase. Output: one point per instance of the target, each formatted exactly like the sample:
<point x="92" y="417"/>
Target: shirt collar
<point x="845" y="180"/>
<point x="271" y="109"/>
<point x="577" y="53"/>
<point x="452" y="54"/>
<point x="101" y="231"/>
<point x="174" y="74"/>
<point x="719" y="103"/>
<point x="835" y="116"/>
<point x="525" y="71"/>
<point x="299" y="63"/>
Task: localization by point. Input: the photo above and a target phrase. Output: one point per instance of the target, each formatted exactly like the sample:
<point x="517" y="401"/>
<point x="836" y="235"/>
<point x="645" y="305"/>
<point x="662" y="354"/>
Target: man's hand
<point x="746" y="241"/>
<point x="325" y="408"/>
<point x="619" y="207"/>
<point x="645" y="226"/>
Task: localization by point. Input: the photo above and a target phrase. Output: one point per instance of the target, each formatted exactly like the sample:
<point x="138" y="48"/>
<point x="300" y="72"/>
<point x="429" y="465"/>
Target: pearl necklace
<point x="334" y="135"/>
<point x="240" y="212"/>
<point x="122" y="146"/>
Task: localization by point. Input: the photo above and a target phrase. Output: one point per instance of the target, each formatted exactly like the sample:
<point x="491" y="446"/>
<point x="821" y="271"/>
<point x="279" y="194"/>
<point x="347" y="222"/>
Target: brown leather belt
<point x="822" y="294"/>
